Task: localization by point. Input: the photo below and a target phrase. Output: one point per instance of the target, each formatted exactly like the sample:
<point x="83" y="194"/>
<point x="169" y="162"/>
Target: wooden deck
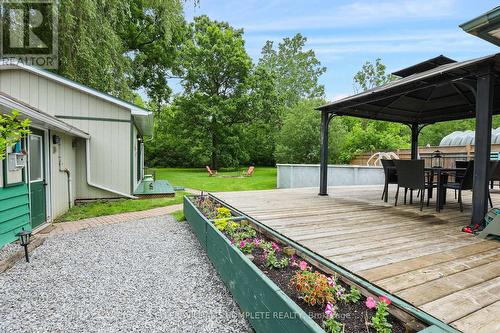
<point x="422" y="257"/>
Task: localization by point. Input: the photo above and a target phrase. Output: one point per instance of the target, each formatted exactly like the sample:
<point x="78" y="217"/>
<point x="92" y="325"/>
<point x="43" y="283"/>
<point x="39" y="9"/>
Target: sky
<point x="346" y="34"/>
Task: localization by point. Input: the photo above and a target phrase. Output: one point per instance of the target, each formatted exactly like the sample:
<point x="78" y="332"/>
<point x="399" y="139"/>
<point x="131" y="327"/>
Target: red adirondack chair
<point x="211" y="173"/>
<point x="249" y="172"/>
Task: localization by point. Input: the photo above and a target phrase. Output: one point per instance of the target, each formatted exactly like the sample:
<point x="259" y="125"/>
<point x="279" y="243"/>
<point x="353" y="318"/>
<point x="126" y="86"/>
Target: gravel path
<point x="8" y="249"/>
<point x="142" y="276"/>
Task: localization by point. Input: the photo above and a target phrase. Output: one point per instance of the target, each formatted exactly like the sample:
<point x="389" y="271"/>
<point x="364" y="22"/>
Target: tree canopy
<point x="222" y="90"/>
<point x="230" y="110"/>
<point x="131" y="47"/>
<point x="295" y="71"/>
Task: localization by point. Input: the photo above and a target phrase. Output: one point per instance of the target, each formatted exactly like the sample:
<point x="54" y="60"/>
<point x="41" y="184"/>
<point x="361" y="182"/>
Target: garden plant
<point x="336" y="306"/>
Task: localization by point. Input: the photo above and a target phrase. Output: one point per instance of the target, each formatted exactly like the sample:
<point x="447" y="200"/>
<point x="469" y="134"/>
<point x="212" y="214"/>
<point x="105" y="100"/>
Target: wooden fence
<point x="450" y="154"/>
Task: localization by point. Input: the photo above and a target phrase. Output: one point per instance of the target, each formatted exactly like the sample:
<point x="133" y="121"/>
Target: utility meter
<point x="16" y="161"/>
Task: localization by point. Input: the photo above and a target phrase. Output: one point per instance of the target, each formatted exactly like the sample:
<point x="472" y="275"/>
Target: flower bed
<point x="326" y="303"/>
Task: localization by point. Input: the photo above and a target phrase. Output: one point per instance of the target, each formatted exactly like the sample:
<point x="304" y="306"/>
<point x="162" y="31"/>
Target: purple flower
<point x="331" y="281"/>
<point x="330" y="310"/>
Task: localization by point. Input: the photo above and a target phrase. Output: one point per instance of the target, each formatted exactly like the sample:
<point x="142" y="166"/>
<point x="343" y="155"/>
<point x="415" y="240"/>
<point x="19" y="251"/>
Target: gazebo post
<point x="484" y="110"/>
<point x="414" y="141"/>
<point x="323" y="169"/>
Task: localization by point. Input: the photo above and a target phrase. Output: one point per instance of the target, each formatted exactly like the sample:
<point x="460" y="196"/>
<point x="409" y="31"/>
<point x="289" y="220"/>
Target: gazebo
<point x="436" y="90"/>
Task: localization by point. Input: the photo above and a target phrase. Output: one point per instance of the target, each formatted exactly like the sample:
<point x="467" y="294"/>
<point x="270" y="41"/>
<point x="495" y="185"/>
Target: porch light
<point x="437" y="159"/>
<point x="24" y="240"/>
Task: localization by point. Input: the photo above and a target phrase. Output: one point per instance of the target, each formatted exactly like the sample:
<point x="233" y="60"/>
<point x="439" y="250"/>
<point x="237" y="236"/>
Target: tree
<point x="11" y="130"/>
<point x="373" y="136"/>
<point x="152" y="34"/>
<point x="90" y="50"/>
<point x="295" y="71"/>
<point x="369" y="135"/>
<point x="121" y="46"/>
<point x="371" y="76"/>
<point x="221" y="90"/>
<point x="299" y="141"/>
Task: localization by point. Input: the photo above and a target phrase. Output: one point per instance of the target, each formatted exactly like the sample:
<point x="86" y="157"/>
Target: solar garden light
<point x="24" y="239"/>
<point x="437" y="159"/>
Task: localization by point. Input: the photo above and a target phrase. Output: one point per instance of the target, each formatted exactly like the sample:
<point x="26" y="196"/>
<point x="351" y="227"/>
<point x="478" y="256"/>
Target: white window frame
<point x="42" y="166"/>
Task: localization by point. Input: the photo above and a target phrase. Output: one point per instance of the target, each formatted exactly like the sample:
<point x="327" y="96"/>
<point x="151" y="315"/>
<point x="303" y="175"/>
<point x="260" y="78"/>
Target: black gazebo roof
<point x="445" y="92"/>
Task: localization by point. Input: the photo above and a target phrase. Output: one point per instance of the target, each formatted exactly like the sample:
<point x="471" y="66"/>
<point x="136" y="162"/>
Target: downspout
<point x="89" y="181"/>
<point x="68" y="173"/>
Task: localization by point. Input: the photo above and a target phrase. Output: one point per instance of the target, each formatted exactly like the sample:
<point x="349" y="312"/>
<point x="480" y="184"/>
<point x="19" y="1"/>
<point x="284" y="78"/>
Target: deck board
<point x="422" y="257"/>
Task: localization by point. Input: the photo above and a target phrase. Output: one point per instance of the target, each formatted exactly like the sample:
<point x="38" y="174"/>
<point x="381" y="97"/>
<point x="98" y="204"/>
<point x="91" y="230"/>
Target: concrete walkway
<point x="74" y="226"/>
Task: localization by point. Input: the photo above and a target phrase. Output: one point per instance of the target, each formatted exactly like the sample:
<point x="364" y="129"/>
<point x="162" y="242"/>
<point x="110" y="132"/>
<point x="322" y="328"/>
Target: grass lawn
<point x="179" y="215"/>
<point x="264" y="178"/>
<point x="100" y="208"/>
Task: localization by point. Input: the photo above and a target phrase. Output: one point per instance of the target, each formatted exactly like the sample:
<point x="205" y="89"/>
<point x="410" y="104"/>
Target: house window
<point x="35" y="156"/>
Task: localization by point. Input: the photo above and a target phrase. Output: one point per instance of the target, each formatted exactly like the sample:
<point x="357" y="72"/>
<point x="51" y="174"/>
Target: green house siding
<point x="14" y="212"/>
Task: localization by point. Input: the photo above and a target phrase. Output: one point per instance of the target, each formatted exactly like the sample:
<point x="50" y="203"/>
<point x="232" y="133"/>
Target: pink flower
<point x="256" y="242"/>
<point x="385" y="300"/>
<point x="370" y="303"/>
<point x="330" y="310"/>
<point x="232" y="241"/>
<point x="303" y="265"/>
<point x="242" y="243"/>
<point x="275" y="247"/>
<point x="331" y="281"/>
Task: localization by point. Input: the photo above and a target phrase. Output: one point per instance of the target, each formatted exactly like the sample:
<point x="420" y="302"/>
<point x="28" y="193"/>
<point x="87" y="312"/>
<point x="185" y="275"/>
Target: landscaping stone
<point x="7" y="250"/>
<point x="11" y="253"/>
<point x="147" y="276"/>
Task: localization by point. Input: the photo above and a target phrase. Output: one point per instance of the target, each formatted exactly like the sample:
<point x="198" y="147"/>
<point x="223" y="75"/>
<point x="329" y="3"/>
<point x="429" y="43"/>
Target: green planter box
<point x="264" y="304"/>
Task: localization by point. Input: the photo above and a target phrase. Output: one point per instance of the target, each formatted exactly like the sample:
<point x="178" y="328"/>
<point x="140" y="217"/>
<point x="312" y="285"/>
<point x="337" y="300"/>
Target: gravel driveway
<point x="144" y="276"/>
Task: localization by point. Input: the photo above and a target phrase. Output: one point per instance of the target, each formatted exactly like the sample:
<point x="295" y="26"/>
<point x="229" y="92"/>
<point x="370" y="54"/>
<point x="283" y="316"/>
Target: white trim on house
<point x="46" y="170"/>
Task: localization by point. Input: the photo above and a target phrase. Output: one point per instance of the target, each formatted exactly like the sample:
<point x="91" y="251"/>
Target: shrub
<point x="313" y="287"/>
<point x="245" y="246"/>
<point x="379" y="320"/>
<point x="330" y="324"/>
<point x="223" y="213"/>
<point x="353" y="296"/>
<point x="273" y="262"/>
<point x="243" y="232"/>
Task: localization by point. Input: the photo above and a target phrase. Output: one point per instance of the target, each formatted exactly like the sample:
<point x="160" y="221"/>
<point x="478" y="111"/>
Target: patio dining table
<point x="441" y="178"/>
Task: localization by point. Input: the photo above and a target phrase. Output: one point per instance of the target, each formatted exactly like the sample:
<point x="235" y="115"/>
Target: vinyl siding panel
<point x="14" y="212"/>
<point x="110" y="140"/>
<point x="59" y="179"/>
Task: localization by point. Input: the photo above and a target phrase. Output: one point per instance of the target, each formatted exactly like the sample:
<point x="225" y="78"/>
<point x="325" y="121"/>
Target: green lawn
<point x="103" y="207"/>
<point x="264" y="178"/>
<point x="179" y="215"/>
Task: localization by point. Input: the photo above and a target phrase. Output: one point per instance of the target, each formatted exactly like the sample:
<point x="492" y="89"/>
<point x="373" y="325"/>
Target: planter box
<point x="264" y="304"/>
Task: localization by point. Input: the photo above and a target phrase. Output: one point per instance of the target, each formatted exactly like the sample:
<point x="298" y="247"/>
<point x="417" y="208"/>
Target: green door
<point x="37" y="178"/>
